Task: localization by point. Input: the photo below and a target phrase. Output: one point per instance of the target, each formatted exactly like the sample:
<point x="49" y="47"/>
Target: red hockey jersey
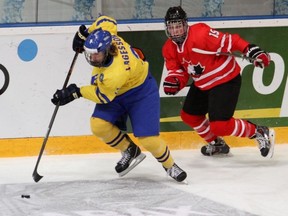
<point x="206" y="70"/>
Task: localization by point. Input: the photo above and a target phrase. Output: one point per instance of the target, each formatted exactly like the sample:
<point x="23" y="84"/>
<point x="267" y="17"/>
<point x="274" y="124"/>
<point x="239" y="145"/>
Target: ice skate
<point x="176" y="173"/>
<point x="130" y="159"/>
<point x="219" y="146"/>
<point x="265" y="138"/>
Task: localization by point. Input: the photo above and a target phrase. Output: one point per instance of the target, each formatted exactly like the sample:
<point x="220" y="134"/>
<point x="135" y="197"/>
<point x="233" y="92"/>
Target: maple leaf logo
<point x="196" y="70"/>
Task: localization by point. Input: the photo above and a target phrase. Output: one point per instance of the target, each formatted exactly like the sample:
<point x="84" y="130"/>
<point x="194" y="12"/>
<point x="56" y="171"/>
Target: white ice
<point x="243" y="183"/>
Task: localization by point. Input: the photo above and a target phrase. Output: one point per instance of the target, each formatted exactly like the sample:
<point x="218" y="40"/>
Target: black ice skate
<point x="130" y="159"/>
<point x="176" y="173"/>
<point x="218" y="146"/>
<point x="265" y="138"/>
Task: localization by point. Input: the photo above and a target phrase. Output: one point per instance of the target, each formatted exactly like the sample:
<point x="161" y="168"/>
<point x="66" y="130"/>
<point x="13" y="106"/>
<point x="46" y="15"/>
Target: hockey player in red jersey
<point x="216" y="81"/>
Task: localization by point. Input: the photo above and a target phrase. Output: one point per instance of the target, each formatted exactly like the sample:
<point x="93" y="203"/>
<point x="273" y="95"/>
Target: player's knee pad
<point x="222" y="128"/>
<point x="192" y="120"/>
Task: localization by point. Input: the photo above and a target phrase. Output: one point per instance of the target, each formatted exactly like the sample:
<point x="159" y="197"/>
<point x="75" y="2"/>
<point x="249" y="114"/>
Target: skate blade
<point x="272" y="143"/>
<point x="184" y="182"/>
<point x="134" y="163"/>
<point x="222" y="155"/>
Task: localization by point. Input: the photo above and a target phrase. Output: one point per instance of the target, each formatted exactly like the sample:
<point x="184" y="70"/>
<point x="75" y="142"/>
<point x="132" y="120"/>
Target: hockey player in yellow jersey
<point x="121" y="85"/>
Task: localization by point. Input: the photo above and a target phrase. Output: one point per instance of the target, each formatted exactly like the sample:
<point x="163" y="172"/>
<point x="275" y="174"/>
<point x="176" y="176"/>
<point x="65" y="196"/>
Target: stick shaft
<point x="206" y="52"/>
<point x="35" y="174"/>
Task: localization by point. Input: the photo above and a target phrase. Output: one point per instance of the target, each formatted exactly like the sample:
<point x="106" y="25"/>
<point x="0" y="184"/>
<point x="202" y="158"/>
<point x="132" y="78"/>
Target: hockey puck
<point x="25" y="196"/>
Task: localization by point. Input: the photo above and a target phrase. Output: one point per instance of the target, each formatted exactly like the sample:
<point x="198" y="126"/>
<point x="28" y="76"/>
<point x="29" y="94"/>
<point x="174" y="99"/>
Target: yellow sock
<point x="109" y="133"/>
<point x="158" y="149"/>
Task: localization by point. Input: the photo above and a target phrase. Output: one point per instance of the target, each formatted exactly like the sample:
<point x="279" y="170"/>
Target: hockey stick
<point x="35" y="174"/>
<point x="206" y="52"/>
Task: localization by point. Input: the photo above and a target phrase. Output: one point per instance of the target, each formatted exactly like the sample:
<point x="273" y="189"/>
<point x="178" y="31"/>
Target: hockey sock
<point x="233" y="127"/>
<point x="200" y="124"/>
<point x="158" y="149"/>
<point x="109" y="133"/>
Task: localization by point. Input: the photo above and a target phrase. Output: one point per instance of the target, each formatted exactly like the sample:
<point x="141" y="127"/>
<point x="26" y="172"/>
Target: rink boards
<point x="90" y="144"/>
<point x="26" y="108"/>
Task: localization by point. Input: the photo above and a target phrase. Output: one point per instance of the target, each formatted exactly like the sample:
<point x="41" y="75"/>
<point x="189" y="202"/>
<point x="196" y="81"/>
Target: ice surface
<point x="243" y="183"/>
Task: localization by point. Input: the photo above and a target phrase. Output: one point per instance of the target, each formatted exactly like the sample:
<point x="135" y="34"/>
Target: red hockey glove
<point x="171" y="85"/>
<point x="259" y="57"/>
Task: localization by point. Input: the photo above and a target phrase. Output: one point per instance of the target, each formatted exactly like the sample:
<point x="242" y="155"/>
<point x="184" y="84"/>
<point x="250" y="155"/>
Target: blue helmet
<point x="98" y="41"/>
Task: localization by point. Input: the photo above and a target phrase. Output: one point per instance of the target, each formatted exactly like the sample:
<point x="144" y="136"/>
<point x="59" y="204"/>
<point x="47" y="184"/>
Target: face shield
<point x="176" y="23"/>
<point x="96" y="47"/>
<point x="176" y="30"/>
<point x="96" y="59"/>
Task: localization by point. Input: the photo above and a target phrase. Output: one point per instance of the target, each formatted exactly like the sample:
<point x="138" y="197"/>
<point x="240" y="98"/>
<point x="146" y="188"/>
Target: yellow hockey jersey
<point x="125" y="72"/>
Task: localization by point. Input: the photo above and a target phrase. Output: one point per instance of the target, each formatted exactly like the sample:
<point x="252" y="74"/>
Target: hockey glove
<point x="171" y="85"/>
<point x="259" y="57"/>
<point x="66" y="95"/>
<point x="79" y="39"/>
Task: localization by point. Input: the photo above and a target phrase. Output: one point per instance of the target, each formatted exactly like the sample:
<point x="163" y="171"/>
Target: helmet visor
<point x="176" y="30"/>
<point x="95" y="59"/>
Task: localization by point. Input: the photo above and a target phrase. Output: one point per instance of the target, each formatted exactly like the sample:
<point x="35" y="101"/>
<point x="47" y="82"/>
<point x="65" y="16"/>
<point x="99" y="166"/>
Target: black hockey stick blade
<point x="36" y="176"/>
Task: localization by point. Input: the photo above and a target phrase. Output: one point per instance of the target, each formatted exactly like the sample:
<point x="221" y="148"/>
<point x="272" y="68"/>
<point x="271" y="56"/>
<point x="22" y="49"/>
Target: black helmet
<point x="176" y="15"/>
